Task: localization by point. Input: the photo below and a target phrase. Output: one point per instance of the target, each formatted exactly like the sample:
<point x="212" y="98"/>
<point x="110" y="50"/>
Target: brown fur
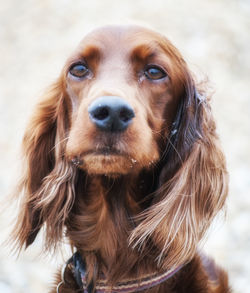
<point x="146" y="207"/>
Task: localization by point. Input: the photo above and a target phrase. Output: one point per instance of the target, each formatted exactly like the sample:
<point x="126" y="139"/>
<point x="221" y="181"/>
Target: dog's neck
<point x="103" y="217"/>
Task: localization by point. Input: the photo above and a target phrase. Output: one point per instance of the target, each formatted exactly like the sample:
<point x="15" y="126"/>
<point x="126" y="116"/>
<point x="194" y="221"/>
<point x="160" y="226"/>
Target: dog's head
<point x="123" y="86"/>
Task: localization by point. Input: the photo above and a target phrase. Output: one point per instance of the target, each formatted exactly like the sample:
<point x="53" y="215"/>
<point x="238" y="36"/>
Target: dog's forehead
<point x="113" y="38"/>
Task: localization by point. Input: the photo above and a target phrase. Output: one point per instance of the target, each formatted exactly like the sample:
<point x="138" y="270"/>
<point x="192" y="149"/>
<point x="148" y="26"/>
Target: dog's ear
<point x="192" y="181"/>
<point x="46" y="188"/>
<point x="187" y="127"/>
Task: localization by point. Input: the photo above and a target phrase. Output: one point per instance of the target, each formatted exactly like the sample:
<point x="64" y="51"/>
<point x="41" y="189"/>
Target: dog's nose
<point x="111" y="113"/>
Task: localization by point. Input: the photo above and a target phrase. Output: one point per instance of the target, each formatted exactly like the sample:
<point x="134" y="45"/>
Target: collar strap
<point x="125" y="286"/>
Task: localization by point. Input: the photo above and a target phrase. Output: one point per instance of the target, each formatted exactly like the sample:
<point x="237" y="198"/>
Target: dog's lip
<point x="105" y="151"/>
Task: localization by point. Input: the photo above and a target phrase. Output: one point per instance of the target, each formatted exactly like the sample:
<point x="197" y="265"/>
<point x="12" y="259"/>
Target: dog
<point x="122" y="158"/>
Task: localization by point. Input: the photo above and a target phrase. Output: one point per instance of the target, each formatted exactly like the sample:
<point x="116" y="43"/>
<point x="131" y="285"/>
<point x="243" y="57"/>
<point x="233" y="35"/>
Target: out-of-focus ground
<point x="36" y="36"/>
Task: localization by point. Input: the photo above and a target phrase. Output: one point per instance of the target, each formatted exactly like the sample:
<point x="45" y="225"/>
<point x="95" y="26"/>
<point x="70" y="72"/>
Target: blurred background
<point x="36" y="36"/>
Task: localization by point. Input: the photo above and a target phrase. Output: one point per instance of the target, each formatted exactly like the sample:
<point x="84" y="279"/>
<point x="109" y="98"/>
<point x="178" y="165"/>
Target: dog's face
<point x="122" y="96"/>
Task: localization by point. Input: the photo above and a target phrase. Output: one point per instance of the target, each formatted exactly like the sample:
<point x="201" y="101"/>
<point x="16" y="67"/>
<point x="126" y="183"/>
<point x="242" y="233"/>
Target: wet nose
<point x="111" y="113"/>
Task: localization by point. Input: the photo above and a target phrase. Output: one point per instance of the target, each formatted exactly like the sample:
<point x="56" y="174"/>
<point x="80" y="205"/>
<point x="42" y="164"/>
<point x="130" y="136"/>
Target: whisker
<point x="59" y="143"/>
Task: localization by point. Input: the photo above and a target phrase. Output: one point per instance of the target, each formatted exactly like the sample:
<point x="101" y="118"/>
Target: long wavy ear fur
<point x="192" y="182"/>
<point x="46" y="187"/>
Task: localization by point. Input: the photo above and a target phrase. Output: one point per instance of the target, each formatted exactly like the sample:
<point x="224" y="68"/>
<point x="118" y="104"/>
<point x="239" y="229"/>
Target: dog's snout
<point x="111" y="113"/>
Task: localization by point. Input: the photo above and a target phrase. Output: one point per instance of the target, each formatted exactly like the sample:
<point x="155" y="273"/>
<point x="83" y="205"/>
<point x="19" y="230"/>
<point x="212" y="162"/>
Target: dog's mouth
<point x="107" y="151"/>
<point x="106" y="160"/>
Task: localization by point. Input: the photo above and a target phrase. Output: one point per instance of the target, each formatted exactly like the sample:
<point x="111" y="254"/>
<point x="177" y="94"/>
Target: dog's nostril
<point x="126" y="115"/>
<point x="101" y="113"/>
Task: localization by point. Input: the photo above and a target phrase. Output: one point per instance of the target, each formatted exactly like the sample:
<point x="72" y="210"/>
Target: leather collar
<point x="78" y="267"/>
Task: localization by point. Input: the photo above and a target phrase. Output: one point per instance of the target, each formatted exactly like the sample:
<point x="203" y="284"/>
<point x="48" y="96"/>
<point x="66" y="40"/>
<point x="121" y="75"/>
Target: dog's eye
<point x="79" y="70"/>
<point x="154" y="72"/>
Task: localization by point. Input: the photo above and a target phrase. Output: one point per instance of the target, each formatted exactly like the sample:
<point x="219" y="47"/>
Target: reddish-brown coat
<point x="138" y="211"/>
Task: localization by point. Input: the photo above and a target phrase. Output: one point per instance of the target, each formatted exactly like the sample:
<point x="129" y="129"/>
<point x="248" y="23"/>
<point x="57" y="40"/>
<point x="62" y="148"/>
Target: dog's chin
<point x="112" y="165"/>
